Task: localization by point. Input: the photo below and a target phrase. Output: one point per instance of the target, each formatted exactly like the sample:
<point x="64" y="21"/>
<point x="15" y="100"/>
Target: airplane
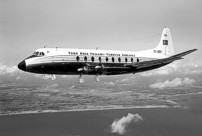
<point x="67" y="61"/>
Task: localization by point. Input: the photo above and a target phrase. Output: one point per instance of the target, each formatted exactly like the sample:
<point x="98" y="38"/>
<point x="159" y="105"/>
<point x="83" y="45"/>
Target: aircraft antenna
<point x="97" y="48"/>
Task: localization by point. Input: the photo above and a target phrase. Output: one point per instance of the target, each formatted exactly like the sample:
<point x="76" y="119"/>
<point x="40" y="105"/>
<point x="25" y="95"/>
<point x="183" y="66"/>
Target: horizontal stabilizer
<point x="159" y="62"/>
<point x="183" y="53"/>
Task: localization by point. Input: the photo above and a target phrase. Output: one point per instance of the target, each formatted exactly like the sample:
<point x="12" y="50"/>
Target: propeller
<point x="81" y="80"/>
<point x="97" y="79"/>
<point x="99" y="70"/>
<point x="53" y="77"/>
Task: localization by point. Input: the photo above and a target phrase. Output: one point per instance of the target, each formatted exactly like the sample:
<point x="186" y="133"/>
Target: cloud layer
<point x="4" y="69"/>
<point x="183" y="67"/>
<point x="43" y="76"/>
<point x="119" y="126"/>
<point x="173" y="83"/>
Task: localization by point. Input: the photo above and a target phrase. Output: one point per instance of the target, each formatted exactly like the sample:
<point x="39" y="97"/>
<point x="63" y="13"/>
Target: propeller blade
<point x="97" y="79"/>
<point x="81" y="80"/>
<point x="53" y="77"/>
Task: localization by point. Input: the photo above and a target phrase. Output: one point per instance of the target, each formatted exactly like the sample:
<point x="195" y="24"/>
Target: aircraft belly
<point x="72" y="68"/>
<point x="54" y="68"/>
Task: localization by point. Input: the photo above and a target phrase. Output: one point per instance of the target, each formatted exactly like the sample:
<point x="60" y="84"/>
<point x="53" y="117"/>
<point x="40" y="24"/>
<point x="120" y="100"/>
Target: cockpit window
<point x="39" y="53"/>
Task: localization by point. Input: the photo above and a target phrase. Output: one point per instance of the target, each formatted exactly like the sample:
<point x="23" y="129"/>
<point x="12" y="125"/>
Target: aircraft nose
<point x="22" y="65"/>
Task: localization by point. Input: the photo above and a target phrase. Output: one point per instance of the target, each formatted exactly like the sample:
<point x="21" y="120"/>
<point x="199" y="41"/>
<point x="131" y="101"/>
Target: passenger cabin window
<point x="100" y="59"/>
<point x="77" y="58"/>
<point x="107" y="59"/>
<point x="85" y="59"/>
<point x="132" y="60"/>
<point x="126" y="60"/>
<point x="92" y="59"/>
<point x="112" y="59"/>
<point x="138" y="60"/>
<point x="119" y="59"/>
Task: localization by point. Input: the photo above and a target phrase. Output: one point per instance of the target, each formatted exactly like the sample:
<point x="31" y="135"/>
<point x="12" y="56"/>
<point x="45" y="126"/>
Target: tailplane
<point x="165" y="46"/>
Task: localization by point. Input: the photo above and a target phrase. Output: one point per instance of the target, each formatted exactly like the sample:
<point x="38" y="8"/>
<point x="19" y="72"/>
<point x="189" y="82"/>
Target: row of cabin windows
<point x="39" y="53"/>
<point x="106" y="59"/>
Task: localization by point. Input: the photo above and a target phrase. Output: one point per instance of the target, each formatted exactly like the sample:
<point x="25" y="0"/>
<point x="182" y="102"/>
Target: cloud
<point x="126" y="79"/>
<point x="173" y="83"/>
<point x="5" y="69"/>
<point x="50" y="88"/>
<point x="18" y="78"/>
<point x="182" y="67"/>
<point x="119" y="126"/>
<point x="110" y="83"/>
<point x="43" y="76"/>
<point x="166" y="70"/>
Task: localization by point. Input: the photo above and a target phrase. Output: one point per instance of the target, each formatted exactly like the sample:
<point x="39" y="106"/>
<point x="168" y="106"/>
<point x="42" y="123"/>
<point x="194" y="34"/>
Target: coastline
<point x="97" y="121"/>
<point x="96" y="108"/>
<point x="109" y="107"/>
<point x="176" y="95"/>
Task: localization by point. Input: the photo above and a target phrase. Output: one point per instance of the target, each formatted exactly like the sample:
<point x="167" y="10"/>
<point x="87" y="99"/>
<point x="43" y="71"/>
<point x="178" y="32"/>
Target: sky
<point x="27" y="25"/>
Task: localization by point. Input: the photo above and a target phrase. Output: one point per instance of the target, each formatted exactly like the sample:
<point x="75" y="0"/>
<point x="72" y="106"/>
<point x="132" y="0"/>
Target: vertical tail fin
<point x="165" y="46"/>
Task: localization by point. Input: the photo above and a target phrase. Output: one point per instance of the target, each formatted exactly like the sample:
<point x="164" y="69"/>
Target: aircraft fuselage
<point x="92" y="63"/>
<point x="64" y="61"/>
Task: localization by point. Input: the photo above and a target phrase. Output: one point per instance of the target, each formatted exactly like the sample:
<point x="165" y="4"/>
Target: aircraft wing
<point x="158" y="62"/>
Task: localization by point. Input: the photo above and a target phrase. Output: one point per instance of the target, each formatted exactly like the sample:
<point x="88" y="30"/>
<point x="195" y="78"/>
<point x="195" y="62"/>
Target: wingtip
<point x="195" y="49"/>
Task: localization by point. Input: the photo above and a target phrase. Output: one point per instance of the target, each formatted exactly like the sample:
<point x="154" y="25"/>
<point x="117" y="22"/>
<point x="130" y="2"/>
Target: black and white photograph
<point x="100" y="68"/>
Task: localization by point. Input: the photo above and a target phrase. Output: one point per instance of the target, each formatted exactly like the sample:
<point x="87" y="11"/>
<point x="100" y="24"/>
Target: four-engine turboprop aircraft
<point x="65" y="61"/>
